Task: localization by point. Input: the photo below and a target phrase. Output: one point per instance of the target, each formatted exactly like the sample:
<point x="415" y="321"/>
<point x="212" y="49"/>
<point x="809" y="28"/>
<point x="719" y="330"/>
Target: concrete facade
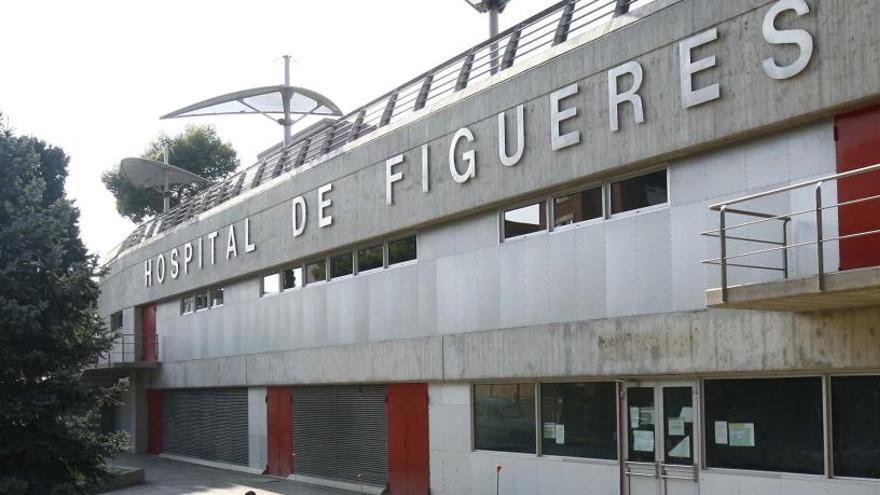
<point x="621" y="298"/>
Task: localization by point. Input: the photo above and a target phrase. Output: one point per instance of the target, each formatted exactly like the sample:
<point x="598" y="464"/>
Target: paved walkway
<point x="167" y="477"/>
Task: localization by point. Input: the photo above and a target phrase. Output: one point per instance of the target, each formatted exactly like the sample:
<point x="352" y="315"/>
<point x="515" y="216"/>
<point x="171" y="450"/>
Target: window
<point x="579" y="419"/>
<point x="402" y="250"/>
<point x="201" y="300"/>
<point x="316" y="272"/>
<point x="855" y="413"/>
<point x="577" y="207"/>
<point x="525" y="220"/>
<point x="341" y="265"/>
<point x="370" y="258"/>
<point x="216" y="297"/>
<point x="271" y="284"/>
<point x="292" y="278"/>
<point x="187" y="304"/>
<point x="638" y="192"/>
<point x="765" y="424"/>
<point x="504" y="417"/>
<point x="116" y="320"/>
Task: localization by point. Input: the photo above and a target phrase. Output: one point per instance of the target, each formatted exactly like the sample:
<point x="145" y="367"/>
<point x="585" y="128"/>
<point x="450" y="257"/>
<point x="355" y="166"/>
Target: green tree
<point x="198" y="149"/>
<point x="50" y="331"/>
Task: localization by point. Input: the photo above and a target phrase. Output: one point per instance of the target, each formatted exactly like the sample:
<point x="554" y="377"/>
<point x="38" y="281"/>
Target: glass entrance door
<point x="661" y="439"/>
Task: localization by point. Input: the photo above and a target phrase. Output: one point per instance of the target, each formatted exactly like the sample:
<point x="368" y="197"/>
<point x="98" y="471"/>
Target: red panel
<point x="279" y="429"/>
<point x="407" y="413"/>
<point x="154" y="415"/>
<point x="148" y="331"/>
<point x="858" y="145"/>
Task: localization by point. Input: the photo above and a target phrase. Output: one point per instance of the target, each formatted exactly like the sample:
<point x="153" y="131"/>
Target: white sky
<point x="93" y="77"/>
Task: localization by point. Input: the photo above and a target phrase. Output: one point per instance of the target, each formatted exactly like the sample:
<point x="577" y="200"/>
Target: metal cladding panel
<point x="209" y="424"/>
<point x="341" y="433"/>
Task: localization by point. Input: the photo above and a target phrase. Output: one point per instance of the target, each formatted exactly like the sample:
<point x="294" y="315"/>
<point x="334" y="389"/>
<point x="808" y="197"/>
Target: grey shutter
<point x="341" y="432"/>
<point x="210" y="424"/>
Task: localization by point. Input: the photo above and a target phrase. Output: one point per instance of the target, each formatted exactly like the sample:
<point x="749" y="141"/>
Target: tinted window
<point x="370" y="258"/>
<point x="855" y="413"/>
<point x="271" y="284"/>
<point x="316" y="272"/>
<point x="579" y="420"/>
<point x="639" y="192"/>
<point x="186" y="305"/>
<point x="504" y="417"/>
<point x="292" y="278"/>
<point x="217" y="296"/>
<point x="402" y="250"/>
<point x="201" y="300"/>
<point x="525" y="220"/>
<point x="341" y="265"/>
<point x="765" y="424"/>
<point x="577" y="207"/>
<point x="116" y="320"/>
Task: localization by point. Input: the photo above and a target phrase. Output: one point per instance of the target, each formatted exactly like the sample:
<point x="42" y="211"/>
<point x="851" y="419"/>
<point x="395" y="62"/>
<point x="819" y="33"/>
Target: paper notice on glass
<point x="634" y="417"/>
<point x="646" y="416"/>
<point x="549" y="430"/>
<point x="687" y="414"/>
<point x="682" y="449"/>
<point x="560" y="434"/>
<point x="675" y="427"/>
<point x="643" y="441"/>
<point x="721" y="433"/>
<point x="741" y="434"/>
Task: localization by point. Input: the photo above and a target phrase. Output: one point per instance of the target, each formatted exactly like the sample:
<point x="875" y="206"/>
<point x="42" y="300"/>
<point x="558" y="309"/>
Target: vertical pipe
<point x="820" y="247"/>
<point x="166" y="199"/>
<point x="785" y="247"/>
<point x="285" y="95"/>
<point x="722" y="235"/>
<point x="493" y="32"/>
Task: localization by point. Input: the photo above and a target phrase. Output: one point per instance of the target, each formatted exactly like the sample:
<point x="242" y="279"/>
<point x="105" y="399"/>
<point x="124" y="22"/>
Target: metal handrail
<point x="784" y="246"/>
<point x="131" y="348"/>
<point x="542" y="31"/>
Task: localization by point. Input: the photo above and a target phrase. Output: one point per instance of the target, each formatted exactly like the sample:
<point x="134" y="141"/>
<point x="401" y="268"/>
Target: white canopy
<point x="144" y="173"/>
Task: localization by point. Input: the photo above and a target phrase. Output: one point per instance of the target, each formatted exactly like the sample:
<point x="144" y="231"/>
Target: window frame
<point x="519" y="205"/>
<point x="302" y="284"/>
<point x="207" y="294"/>
<point x="192" y="306"/>
<point x="356" y="267"/>
<point x="263" y="291"/>
<point x="551" y="214"/>
<point x="825" y="475"/>
<point x="316" y="261"/>
<point x="388" y="264"/>
<point x="829" y="438"/>
<point x="211" y="304"/>
<point x="121" y="321"/>
<point x="638" y="211"/>
<point x="351" y="253"/>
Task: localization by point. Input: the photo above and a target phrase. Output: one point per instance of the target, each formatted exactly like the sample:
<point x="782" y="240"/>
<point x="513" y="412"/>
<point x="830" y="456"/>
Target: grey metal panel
<point x="562" y="260"/>
<point x="620" y="266"/>
<point x="591" y="281"/>
<point x="445" y="295"/>
<point x="466" y="297"/>
<point x="512" y="284"/>
<point x="488" y="310"/>
<point x="209" y="424"/>
<point x="689" y="277"/>
<point x="341" y="433"/>
<point x="653" y="263"/>
<point x="536" y="279"/>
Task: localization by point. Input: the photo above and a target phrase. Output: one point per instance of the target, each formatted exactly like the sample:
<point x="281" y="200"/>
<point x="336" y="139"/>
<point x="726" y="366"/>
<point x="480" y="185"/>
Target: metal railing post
<point x="820" y="245"/>
<point x="722" y="236"/>
<point x="785" y="248"/>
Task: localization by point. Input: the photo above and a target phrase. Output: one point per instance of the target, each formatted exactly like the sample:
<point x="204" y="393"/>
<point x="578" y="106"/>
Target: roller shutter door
<point x="210" y="424"/>
<point x="340" y="433"/>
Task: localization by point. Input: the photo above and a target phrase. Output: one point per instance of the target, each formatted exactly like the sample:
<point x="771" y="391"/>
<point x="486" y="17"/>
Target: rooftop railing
<point x="540" y="32"/>
<point x="780" y="245"/>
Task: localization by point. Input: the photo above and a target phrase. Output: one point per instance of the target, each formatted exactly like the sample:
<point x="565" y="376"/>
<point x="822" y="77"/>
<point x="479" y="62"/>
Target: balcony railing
<point x="129" y="348"/>
<point x="766" y="243"/>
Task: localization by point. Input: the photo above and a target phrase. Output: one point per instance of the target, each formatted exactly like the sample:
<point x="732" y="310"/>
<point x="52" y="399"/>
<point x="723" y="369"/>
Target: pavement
<point x="168" y="477"/>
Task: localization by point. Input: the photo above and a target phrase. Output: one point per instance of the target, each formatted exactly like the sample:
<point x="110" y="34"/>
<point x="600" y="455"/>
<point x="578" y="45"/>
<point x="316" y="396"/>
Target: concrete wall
<point x="466" y="280"/>
<point x="843" y="73"/>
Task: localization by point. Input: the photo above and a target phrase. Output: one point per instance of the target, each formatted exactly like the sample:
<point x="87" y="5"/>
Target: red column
<point x="154" y="415"/>
<point x="858" y="145"/>
<point x="407" y="415"/>
<point x="279" y="421"/>
<point x="148" y="333"/>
